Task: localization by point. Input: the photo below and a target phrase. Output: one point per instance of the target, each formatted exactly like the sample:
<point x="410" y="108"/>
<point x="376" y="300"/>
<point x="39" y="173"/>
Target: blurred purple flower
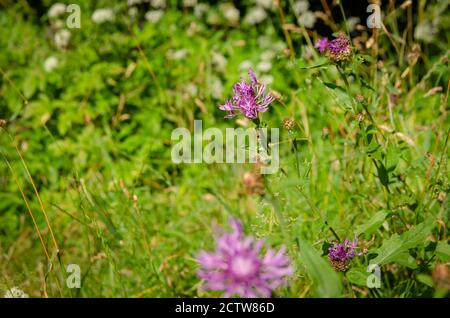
<point x="322" y="45"/>
<point x="339" y="48"/>
<point x="237" y="267"/>
<point x="340" y="254"/>
<point x="249" y="98"/>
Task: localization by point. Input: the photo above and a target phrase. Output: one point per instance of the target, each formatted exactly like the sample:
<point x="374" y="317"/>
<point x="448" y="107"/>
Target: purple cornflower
<point x="237" y="267"/>
<point x="339" y="49"/>
<point x="249" y="98"/>
<point x="340" y="254"/>
<point x="322" y="45"/>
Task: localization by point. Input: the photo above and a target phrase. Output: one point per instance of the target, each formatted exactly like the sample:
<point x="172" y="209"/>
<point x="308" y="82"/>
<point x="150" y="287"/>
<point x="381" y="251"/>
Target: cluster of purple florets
<point x="338" y="49"/>
<point x="250" y="98"/>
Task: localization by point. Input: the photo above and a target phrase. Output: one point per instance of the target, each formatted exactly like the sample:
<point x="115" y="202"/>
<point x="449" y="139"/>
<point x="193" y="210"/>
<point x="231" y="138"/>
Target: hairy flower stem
<point x="297" y="158"/>
<point x="286" y="234"/>
<point x="262" y="139"/>
<point x="272" y="199"/>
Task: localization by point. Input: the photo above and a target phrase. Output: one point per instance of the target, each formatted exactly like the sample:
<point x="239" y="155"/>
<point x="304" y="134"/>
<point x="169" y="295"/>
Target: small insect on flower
<point x="340" y="254"/>
<point x="237" y="267"/>
<point x="249" y="98"/>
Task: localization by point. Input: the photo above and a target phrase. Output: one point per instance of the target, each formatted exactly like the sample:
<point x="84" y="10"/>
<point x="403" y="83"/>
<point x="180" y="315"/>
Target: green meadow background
<point x="86" y="175"/>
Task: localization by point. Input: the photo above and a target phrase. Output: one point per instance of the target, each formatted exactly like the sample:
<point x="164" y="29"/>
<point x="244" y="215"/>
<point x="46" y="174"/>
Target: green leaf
<point x="325" y="248"/>
<point x="374" y="150"/>
<point x="382" y="174"/>
<point x="392" y="89"/>
<point x="30" y="85"/>
<point x="443" y="251"/>
<point x="406" y="260"/>
<point x="394" y="247"/>
<point x="315" y="66"/>
<point x="366" y="57"/>
<point x="333" y="86"/>
<point x="340" y="96"/>
<point x="372" y="224"/>
<point x="357" y="276"/>
<point x="326" y="281"/>
<point x="425" y="279"/>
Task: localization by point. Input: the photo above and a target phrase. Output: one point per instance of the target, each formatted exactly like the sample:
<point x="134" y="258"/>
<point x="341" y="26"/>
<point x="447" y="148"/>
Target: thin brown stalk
<point x="28" y="206"/>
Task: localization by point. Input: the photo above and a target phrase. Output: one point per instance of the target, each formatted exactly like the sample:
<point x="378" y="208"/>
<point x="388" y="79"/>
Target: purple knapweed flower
<point x="322" y="45"/>
<point x="340" y="254"/>
<point x="339" y="49"/>
<point x="237" y="267"/>
<point x="249" y="98"/>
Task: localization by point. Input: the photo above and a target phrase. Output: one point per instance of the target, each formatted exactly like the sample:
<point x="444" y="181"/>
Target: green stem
<point x="297" y="159"/>
<point x="347" y="86"/>
<point x="313" y="207"/>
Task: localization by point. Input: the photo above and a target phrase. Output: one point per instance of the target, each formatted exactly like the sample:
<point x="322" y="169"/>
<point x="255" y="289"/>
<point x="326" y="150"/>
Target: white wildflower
<point x="15" y="292"/>
<point x="352" y="22"/>
<point x="190" y="90"/>
<point x="200" y="9"/>
<point x="267" y="55"/>
<point x="102" y="15"/>
<point x="266" y="79"/>
<point x="56" y="10"/>
<point x="301" y="6"/>
<point x="177" y="55"/>
<point x="192" y="29"/>
<point x="131" y="3"/>
<point x="154" y="16"/>
<point x="245" y="65"/>
<point x="213" y="18"/>
<point x="267" y="4"/>
<point x="189" y="3"/>
<point x="62" y="38"/>
<point x="255" y="15"/>
<point x="425" y="31"/>
<point x="308" y="19"/>
<point x="50" y="63"/>
<point x="278" y="46"/>
<point x="133" y="12"/>
<point x="219" y="61"/>
<point x="265" y="41"/>
<point x="264" y="66"/>
<point x="230" y="12"/>
<point x="158" y="4"/>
